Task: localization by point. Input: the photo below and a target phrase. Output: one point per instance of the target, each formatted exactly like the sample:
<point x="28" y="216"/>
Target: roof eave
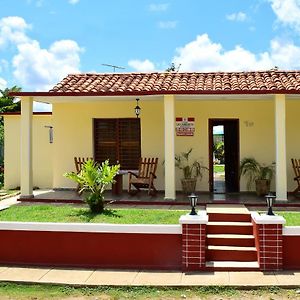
<point x="145" y="93"/>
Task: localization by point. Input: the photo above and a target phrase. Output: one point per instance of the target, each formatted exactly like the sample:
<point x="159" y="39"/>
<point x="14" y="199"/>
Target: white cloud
<point x="3" y="83"/>
<point x="73" y="1"/>
<point x="142" y="65"/>
<point x="238" y="17"/>
<point x="158" y="7"/>
<point x="12" y="30"/>
<point x="167" y="24"/>
<point x="37" y="68"/>
<point x="40" y="69"/>
<point x="205" y="55"/>
<point x="287" y="12"/>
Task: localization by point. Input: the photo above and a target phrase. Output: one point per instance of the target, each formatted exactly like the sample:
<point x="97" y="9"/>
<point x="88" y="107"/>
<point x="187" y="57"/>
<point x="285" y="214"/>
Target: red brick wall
<point x="193" y="246"/>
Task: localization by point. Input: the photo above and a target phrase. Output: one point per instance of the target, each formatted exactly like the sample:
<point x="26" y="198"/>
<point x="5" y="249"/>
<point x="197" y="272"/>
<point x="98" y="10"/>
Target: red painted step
<point x="229" y="228"/>
<point x="226" y="217"/>
<point x="241" y="240"/>
<point x="231" y="253"/>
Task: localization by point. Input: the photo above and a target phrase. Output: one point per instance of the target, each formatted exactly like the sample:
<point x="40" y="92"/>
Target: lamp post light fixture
<point x="137" y="109"/>
<point x="193" y="202"/>
<point x="269" y="199"/>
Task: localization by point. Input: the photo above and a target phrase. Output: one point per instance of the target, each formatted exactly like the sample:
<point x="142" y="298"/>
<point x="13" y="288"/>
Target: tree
<point x="8" y="103"/>
<point x="173" y="68"/>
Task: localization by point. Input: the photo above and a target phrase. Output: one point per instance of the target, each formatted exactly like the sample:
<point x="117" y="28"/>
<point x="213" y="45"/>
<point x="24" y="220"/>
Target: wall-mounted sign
<point x="185" y="126"/>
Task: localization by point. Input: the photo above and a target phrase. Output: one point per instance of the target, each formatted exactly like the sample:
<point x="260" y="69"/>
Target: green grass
<point x="36" y="291"/>
<point x="219" y="168"/>
<point x="72" y="213"/>
<point x="292" y="218"/>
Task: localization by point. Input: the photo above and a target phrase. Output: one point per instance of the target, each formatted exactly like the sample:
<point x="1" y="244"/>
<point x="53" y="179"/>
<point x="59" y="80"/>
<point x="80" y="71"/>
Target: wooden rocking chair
<point x="296" y="167"/>
<point x="145" y="177"/>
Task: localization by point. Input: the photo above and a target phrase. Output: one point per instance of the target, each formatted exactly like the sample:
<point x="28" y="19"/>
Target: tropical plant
<point x="253" y="171"/>
<point x="190" y="169"/>
<point x="93" y="180"/>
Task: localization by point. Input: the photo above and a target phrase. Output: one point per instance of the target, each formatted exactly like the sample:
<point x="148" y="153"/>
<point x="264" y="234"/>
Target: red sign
<point x="185" y="126"/>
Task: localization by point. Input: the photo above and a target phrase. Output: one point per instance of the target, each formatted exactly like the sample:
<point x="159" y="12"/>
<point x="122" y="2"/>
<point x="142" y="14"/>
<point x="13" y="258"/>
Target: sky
<point x="41" y="41"/>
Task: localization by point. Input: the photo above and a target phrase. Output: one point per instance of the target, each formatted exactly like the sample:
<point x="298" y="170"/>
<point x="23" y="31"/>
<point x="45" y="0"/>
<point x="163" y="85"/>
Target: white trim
<point x="291" y="230"/>
<point x="101" y="228"/>
<point x="265" y="219"/>
<point x="201" y="218"/>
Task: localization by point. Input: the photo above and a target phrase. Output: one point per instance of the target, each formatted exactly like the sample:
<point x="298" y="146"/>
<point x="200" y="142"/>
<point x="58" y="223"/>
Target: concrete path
<point x="95" y="277"/>
<point x="6" y="203"/>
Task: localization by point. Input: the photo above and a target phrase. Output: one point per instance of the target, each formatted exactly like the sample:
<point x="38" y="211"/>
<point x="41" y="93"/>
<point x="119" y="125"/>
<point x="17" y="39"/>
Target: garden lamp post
<point x="269" y="199"/>
<point x="193" y="202"/>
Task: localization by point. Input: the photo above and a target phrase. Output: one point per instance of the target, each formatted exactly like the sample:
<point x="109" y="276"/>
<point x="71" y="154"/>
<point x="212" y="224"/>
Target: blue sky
<point x="41" y="41"/>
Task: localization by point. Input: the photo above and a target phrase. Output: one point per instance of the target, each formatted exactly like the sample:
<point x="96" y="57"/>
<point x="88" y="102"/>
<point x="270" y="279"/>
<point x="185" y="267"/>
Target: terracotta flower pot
<point x="262" y="187"/>
<point x="189" y="185"/>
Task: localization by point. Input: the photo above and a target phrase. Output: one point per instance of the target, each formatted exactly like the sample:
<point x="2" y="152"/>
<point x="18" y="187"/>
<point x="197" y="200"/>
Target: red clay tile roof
<point x="180" y="83"/>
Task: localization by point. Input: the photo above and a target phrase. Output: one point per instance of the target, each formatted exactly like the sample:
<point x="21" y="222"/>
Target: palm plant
<point x="253" y="171"/>
<point x="190" y="169"/>
<point x="93" y="179"/>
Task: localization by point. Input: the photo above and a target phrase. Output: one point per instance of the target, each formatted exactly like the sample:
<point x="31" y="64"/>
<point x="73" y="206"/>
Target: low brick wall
<point x="291" y="252"/>
<point x="91" y="245"/>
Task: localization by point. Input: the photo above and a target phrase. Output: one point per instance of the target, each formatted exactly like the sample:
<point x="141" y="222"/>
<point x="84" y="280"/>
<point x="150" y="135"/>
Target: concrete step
<point x="231" y="253"/>
<point x="242" y="240"/>
<point x="229" y="228"/>
<point x="232" y="266"/>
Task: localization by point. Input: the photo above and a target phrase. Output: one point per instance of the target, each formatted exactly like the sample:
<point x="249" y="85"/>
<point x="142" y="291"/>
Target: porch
<point x="250" y="199"/>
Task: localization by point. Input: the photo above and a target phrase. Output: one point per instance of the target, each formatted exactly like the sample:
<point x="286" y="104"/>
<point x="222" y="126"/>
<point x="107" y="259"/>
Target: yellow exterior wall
<point x="73" y="131"/>
<point x="42" y="151"/>
<point x="73" y="136"/>
<point x="292" y="139"/>
<point x="257" y="140"/>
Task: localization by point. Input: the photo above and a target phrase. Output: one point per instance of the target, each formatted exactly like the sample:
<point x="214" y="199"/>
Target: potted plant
<point x="257" y="173"/>
<point x="191" y="171"/>
<point x="93" y="180"/>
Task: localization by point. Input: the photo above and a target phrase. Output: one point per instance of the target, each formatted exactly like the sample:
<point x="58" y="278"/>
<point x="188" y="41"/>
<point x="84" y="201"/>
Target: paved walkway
<point x="9" y="202"/>
<point x="93" y="277"/>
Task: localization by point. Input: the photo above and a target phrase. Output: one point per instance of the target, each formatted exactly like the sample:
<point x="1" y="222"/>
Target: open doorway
<point x="224" y="155"/>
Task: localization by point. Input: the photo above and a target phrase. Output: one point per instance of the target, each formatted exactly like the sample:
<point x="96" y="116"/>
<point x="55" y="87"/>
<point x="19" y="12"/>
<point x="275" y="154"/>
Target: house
<point x="94" y="115"/>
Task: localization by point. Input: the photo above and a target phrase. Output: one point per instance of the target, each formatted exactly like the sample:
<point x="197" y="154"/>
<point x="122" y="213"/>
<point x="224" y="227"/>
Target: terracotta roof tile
<point x="172" y="82"/>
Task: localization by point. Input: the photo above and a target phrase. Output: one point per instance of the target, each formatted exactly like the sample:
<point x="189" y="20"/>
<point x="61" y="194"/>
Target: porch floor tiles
<point x="142" y="199"/>
<point x="95" y="277"/>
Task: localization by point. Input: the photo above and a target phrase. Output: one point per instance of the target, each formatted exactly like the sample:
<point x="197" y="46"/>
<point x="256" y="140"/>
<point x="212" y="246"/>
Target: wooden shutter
<point x="105" y="140"/>
<point x="129" y="143"/>
<point x="118" y="140"/>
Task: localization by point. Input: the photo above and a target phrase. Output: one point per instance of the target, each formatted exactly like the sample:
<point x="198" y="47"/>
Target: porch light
<point x="193" y="202"/>
<point x="137" y="109"/>
<point x="269" y="199"/>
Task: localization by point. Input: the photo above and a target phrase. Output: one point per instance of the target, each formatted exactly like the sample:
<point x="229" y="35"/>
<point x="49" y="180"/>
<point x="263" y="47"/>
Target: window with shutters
<point x="118" y="140"/>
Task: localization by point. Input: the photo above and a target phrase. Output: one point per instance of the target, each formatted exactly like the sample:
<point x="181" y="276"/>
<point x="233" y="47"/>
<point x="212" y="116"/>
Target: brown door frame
<point x="213" y="122"/>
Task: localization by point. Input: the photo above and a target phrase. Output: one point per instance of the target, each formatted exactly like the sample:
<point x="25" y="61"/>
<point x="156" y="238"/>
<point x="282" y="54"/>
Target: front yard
<point x="82" y="214"/>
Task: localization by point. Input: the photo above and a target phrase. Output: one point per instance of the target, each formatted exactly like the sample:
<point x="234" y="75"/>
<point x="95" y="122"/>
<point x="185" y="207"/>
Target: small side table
<point x="117" y="187"/>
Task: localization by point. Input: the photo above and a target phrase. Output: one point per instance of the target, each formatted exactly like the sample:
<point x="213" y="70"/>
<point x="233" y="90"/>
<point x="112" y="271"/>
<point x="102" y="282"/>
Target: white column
<point x="26" y="147"/>
<point x="280" y="124"/>
<point x="169" y="114"/>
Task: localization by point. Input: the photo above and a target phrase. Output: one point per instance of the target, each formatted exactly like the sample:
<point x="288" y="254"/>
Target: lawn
<point x="80" y="214"/>
<point x="36" y="291"/>
<point x="292" y="218"/>
<point x="219" y="168"/>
